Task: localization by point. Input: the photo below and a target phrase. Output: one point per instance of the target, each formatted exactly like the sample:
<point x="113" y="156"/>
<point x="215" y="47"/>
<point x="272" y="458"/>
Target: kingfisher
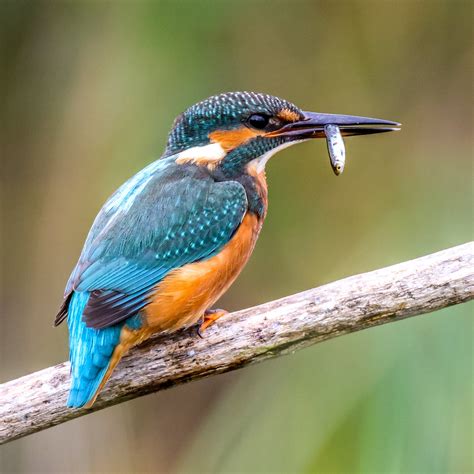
<point x="174" y="237"/>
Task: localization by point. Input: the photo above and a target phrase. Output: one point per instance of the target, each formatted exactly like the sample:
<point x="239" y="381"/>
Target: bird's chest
<point x="181" y="298"/>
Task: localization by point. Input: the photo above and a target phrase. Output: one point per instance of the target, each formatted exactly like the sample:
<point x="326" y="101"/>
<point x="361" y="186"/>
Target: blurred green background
<point x="90" y="90"/>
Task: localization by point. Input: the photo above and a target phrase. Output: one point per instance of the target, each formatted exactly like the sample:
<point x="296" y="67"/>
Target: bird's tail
<point x="91" y="352"/>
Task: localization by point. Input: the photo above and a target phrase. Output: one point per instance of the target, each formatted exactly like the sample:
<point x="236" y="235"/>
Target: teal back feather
<point x="176" y="216"/>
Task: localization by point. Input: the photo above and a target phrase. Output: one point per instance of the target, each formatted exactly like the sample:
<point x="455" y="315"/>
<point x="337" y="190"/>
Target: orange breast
<point x="181" y="298"/>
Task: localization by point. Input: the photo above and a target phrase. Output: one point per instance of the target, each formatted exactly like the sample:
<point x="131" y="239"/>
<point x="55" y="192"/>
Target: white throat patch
<point x="259" y="163"/>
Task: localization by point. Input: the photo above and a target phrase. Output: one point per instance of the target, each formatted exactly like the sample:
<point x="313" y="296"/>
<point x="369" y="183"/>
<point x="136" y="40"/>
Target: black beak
<point x="312" y="126"/>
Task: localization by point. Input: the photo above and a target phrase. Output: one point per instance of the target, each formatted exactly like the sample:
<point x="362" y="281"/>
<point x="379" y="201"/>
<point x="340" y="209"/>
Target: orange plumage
<point x="181" y="298"/>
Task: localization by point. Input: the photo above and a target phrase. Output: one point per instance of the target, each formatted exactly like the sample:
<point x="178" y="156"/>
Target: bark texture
<point x="37" y="401"/>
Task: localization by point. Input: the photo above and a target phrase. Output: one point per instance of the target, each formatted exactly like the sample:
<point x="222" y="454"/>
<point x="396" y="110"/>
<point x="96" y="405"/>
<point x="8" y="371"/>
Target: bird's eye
<point x="258" y="121"/>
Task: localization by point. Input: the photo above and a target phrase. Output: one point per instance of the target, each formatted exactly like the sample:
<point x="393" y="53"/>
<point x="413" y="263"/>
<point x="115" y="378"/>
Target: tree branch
<point x="37" y="401"/>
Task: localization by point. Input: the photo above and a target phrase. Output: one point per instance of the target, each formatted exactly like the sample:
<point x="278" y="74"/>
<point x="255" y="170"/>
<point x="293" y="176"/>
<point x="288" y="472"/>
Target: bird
<point x="173" y="238"/>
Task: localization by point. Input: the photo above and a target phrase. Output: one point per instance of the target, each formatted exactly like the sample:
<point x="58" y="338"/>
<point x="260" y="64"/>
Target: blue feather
<point x="163" y="218"/>
<point x="90" y="351"/>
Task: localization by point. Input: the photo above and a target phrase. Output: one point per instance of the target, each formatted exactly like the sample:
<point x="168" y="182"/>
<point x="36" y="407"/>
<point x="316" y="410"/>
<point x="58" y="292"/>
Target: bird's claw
<point x="209" y="318"/>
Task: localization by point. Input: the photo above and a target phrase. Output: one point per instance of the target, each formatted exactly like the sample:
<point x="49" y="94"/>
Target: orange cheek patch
<point x="288" y="115"/>
<point x="231" y="139"/>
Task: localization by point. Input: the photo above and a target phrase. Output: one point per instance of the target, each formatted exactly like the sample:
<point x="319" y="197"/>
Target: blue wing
<point x="166" y="216"/>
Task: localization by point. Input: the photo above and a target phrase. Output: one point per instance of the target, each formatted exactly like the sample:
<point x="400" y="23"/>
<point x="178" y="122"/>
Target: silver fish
<point x="336" y="149"/>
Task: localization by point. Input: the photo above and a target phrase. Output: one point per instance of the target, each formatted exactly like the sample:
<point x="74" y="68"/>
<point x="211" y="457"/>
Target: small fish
<point x="336" y="149"/>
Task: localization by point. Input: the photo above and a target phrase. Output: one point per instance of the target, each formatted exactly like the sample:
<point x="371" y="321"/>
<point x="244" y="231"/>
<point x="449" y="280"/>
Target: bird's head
<point x="238" y="130"/>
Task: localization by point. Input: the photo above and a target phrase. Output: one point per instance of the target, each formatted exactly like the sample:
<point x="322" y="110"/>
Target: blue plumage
<point x="207" y="191"/>
<point x="222" y="112"/>
<point x="177" y="216"/>
<point x="164" y="217"/>
<point x="89" y="351"/>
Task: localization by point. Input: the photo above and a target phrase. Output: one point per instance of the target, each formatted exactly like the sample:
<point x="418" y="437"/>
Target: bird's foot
<point x="209" y="318"/>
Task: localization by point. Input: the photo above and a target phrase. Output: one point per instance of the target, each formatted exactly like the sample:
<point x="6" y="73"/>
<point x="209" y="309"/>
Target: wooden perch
<point x="37" y="401"/>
